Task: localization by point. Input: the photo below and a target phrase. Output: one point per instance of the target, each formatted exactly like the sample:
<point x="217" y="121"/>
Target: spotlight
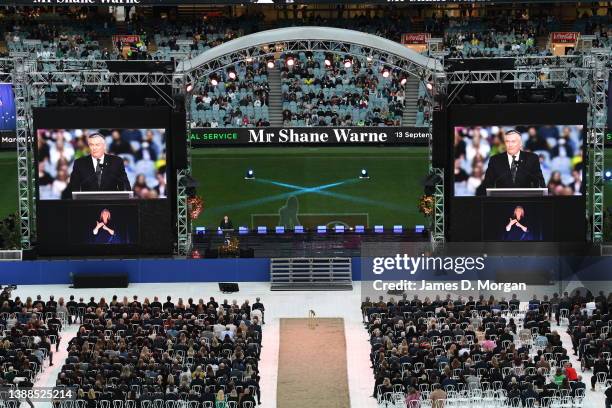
<point x="500" y="98"/>
<point x="429" y="86"/>
<point x="386" y="73"/>
<point x="119" y="102"/>
<point x="369" y="59"/>
<point x="250" y="174"/>
<point x="569" y="97"/>
<point x="290" y="62"/>
<point x="403" y="81"/>
<point x="214" y="82"/>
<point x="249" y="60"/>
<point x="270" y="64"/>
<point x="348" y="63"/>
<point x="608" y="175"/>
<point x="469" y="98"/>
<point x="189" y="87"/>
<point x="150" y="102"/>
<point x="81" y="101"/>
<point x="364" y="174"/>
<point x="232" y="75"/>
<point x="328" y="62"/>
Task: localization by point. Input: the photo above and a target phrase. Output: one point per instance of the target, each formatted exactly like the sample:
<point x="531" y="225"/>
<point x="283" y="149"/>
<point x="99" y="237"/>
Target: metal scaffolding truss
<point x="100" y="78"/>
<point x="594" y="86"/>
<point x="25" y="152"/>
<point x="437" y="235"/>
<point x="376" y="56"/>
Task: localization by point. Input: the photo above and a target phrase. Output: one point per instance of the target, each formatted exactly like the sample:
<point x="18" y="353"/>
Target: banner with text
<point x="126" y="39"/>
<point x="415" y="38"/>
<point x="564" y="37"/>
<point x="269" y="136"/>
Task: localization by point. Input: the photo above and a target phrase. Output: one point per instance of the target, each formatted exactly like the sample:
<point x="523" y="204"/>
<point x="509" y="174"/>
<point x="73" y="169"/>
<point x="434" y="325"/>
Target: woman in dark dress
<point x="516" y="230"/>
<point x="103" y="233"/>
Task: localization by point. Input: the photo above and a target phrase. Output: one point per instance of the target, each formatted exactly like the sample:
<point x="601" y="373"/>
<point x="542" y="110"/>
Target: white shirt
<point x="95" y="161"/>
<point x="510" y="158"/>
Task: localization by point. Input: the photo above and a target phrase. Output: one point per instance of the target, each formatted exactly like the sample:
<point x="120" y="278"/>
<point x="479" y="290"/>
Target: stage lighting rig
<point x="250" y="174"/>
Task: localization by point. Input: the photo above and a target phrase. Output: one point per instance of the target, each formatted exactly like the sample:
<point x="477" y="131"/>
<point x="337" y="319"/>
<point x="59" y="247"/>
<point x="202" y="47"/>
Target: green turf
<point x="389" y="197"/>
<point x="8" y="183"/>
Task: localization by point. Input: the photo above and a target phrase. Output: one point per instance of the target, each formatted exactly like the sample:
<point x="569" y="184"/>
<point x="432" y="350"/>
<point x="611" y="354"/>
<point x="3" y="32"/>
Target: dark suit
<point x="498" y="175"/>
<point x="83" y="177"/>
<point x="226" y="225"/>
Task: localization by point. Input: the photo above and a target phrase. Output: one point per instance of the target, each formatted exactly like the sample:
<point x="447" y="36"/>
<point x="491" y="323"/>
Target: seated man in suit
<point x="98" y="171"/>
<point x="515" y="168"/>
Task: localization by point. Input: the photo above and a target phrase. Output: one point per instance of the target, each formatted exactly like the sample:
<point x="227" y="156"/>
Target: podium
<point x="102" y="195"/>
<point x="517" y="192"/>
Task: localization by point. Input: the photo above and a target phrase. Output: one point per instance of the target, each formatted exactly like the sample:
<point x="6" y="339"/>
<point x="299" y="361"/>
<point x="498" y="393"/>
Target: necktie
<point x="99" y="172"/>
<point x="513" y="169"/>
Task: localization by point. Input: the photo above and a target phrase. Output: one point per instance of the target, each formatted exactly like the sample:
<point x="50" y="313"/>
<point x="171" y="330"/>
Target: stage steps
<point x="311" y="274"/>
<point x="275" y="102"/>
<point x="412" y="96"/>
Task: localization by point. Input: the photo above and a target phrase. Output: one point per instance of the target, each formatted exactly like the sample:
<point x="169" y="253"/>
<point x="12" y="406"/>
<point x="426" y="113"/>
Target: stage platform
<point x="292" y="245"/>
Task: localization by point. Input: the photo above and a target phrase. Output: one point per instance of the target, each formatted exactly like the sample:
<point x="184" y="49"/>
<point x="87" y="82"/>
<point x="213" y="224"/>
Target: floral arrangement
<point x="230" y="249"/>
<point x="426" y="205"/>
<point x="196" y="206"/>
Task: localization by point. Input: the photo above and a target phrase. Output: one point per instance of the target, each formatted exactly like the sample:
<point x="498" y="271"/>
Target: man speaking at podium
<point x="515" y="168"/>
<point x="98" y="171"/>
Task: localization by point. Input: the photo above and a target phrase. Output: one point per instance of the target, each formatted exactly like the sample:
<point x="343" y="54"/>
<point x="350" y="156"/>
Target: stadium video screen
<point x="518" y="157"/>
<point x="79" y="160"/>
<point x="310" y="186"/>
<point x="8" y="118"/>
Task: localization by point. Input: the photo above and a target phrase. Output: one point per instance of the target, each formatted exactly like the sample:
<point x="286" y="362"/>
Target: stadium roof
<point x="309" y="34"/>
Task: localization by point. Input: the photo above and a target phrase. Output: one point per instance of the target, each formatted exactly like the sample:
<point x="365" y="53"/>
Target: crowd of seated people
<point x="589" y="328"/>
<point x="559" y="149"/>
<point x="143" y="152"/>
<point x="320" y="90"/>
<point x="205" y="353"/>
<point x="30" y="332"/>
<point x="476" y="348"/>
<point x="490" y="34"/>
<point x="237" y="98"/>
<point x="52" y="33"/>
<point x="502" y="35"/>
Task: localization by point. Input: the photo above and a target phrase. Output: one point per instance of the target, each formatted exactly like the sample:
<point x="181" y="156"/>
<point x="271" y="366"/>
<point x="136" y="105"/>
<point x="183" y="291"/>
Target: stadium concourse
<point x="282" y="305"/>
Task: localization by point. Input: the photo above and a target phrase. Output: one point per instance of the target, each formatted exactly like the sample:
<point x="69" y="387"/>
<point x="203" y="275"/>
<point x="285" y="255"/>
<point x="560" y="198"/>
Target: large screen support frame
<point x="508" y="115"/>
<point x="113" y="118"/>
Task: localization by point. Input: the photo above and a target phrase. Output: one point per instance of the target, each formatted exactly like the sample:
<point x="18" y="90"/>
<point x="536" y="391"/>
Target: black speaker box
<point x="227" y="287"/>
<point x="100" y="281"/>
